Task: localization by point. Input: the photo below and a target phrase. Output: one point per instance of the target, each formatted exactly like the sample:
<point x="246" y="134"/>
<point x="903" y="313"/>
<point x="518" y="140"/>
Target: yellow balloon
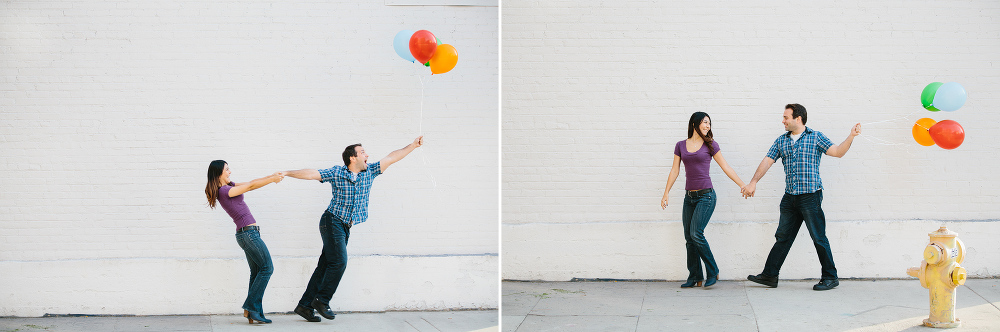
<point x="445" y="58"/>
<point x="921" y="133"/>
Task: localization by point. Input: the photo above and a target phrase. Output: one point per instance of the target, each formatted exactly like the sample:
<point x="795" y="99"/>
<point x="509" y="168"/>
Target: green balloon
<point x="927" y="97"/>
<point x="427" y="64"/>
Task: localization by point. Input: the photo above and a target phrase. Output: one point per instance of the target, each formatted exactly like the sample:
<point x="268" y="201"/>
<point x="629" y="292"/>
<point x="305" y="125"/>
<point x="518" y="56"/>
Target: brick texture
<point x="110" y="113"/>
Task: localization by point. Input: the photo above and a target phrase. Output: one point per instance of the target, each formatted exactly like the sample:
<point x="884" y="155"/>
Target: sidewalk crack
<point x="983" y="297"/>
<point x="752" y="311"/>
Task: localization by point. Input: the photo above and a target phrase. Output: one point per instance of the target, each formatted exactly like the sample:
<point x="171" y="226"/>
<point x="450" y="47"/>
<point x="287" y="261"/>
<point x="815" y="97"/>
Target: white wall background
<point x="595" y="94"/>
<point x="110" y="113"/>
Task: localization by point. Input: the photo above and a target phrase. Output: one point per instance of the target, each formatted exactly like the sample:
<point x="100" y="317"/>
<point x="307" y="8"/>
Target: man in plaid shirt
<point x="800" y="150"/>
<point x="351" y="184"/>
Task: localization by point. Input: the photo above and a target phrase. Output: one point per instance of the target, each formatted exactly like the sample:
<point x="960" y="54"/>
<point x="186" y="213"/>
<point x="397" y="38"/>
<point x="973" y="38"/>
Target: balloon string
<point x="421" y="130"/>
<point x="421" y="105"/>
<point x="907" y="117"/>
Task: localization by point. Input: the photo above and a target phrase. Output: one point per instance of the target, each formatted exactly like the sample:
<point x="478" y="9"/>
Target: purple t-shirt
<point x="235" y="207"/>
<point x="696" y="165"/>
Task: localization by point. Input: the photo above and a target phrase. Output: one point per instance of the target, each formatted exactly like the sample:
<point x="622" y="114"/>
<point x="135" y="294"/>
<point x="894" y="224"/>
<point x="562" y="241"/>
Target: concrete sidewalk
<point x="482" y="321"/>
<point x="856" y="305"/>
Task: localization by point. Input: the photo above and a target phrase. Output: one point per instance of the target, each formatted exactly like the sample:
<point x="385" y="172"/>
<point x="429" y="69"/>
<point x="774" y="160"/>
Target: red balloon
<point x="422" y="45"/>
<point x="947" y="134"/>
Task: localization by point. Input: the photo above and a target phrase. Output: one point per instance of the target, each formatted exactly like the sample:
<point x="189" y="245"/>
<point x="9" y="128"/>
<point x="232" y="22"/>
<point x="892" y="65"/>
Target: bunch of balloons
<point x="947" y="134"/>
<point x="424" y="47"/>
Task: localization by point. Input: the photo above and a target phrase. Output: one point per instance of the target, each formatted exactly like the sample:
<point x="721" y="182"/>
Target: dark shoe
<point x="764" y="280"/>
<point x="253" y="316"/>
<point x="711" y="281"/>
<point x="306" y="313"/>
<point x="323" y="309"/>
<point x="690" y="284"/>
<point x="826" y="284"/>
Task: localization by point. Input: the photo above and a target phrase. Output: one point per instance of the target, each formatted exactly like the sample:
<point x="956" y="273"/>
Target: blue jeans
<point x="697" y="211"/>
<point x="332" y="262"/>
<point x="260" y="267"/>
<point x="794" y="210"/>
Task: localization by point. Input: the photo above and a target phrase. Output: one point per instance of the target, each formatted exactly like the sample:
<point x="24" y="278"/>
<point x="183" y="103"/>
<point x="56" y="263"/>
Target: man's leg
<point x="788" y="227"/>
<point x="811" y="206"/>
<point x="335" y="250"/>
<point x="317" y="277"/>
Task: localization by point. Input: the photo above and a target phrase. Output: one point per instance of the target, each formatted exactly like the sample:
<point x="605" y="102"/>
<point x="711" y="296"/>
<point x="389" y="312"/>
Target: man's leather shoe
<point x="826" y="284"/>
<point x="306" y="313"/>
<point x="764" y="280"/>
<point x="323" y="309"/>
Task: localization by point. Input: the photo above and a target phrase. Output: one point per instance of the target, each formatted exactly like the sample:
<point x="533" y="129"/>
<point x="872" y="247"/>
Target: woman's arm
<point x="674" y="171"/>
<point x="241" y="188"/>
<point x="728" y="170"/>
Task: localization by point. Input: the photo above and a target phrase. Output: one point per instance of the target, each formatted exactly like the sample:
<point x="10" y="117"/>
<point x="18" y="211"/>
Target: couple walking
<point x="799" y="149"/>
<point x="349" y="206"/>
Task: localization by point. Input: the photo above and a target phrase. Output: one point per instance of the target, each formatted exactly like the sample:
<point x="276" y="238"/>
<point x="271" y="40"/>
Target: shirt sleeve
<point x="715" y="147"/>
<point x="774" y="152"/>
<point x="224" y="191"/>
<point x="677" y="149"/>
<point x="327" y="174"/>
<point x="822" y="142"/>
<point x="375" y="168"/>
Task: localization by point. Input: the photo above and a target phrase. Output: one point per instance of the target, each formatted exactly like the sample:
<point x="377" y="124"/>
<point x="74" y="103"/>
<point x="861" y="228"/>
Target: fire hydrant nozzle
<point x="941" y="273"/>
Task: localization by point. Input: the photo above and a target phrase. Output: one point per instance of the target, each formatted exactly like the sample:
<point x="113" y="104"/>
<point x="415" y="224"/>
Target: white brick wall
<point x="595" y="94"/>
<point x="111" y="111"/>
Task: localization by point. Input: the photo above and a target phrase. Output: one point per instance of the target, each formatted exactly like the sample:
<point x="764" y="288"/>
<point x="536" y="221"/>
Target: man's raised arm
<point x="397" y="155"/>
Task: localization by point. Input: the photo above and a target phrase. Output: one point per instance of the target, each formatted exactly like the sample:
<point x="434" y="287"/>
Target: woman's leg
<point x="693" y="262"/>
<point x="699" y="220"/>
<point x="261" y="269"/>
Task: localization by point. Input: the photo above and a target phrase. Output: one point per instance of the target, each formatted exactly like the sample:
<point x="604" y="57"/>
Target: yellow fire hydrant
<point x="941" y="273"/>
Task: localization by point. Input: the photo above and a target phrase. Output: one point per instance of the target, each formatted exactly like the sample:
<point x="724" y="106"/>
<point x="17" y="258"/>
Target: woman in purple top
<point x="697" y="153"/>
<point x="230" y="196"/>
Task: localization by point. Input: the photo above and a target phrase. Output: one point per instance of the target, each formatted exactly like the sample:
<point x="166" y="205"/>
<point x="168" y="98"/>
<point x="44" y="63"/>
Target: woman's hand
<point x="663" y="203"/>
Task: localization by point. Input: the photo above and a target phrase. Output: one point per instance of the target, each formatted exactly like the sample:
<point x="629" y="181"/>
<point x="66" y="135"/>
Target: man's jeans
<point x="332" y="262"/>
<point x="697" y="211"/>
<point x="260" y="267"/>
<point x="794" y="210"/>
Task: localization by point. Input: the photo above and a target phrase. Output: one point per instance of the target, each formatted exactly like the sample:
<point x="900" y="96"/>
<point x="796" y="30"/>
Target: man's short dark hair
<point x="349" y="152"/>
<point x="798" y="111"/>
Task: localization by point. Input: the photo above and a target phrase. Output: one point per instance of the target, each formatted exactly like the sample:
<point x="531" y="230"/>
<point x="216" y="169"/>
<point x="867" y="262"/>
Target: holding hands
<point x="748" y="190"/>
<point x="277" y="177"/>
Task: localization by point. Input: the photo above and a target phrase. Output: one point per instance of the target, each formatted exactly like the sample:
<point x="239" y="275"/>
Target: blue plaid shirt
<point x="801" y="160"/>
<point x="350" y="191"/>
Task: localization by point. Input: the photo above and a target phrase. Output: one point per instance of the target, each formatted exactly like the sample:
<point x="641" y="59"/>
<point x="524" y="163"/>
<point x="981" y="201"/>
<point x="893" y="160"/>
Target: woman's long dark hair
<point x="693" y="124"/>
<point x="215" y="170"/>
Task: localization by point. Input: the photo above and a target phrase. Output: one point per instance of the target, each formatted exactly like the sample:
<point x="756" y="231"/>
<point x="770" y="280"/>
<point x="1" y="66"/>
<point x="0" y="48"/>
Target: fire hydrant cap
<point x="958" y="276"/>
<point x="943" y="232"/>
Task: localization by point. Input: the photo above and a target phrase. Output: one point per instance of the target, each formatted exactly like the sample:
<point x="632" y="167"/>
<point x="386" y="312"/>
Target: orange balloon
<point x="921" y="132"/>
<point x="445" y="58"/>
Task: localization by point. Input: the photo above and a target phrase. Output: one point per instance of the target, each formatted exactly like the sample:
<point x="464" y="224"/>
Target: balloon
<point x="949" y="97"/>
<point x="927" y="97"/>
<point x="444" y="59"/>
<point x="402" y="45"/>
<point x="422" y="45"/>
<point x="920" y="131"/>
<point x="427" y="64"/>
<point x="948" y="134"/>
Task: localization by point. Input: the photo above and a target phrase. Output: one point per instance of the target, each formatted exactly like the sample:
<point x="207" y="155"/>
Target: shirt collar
<point x="804" y="132"/>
